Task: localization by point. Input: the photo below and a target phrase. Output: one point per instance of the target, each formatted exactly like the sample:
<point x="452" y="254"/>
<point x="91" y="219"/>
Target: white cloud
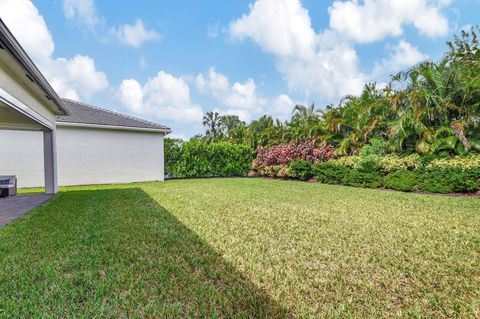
<point x="282" y="107"/>
<point x="134" y="35"/>
<point x="373" y="20"/>
<point x="240" y="98"/>
<point x="281" y="27"/>
<point x="325" y="65"/>
<point x="401" y="56"/>
<point x="163" y="96"/>
<point x="74" y="78"/>
<point x="84" y="11"/>
<point x="321" y="65"/>
<point x="331" y="73"/>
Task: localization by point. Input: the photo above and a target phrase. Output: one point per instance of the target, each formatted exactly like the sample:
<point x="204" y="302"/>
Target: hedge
<point x="455" y="175"/>
<point x="203" y="159"/>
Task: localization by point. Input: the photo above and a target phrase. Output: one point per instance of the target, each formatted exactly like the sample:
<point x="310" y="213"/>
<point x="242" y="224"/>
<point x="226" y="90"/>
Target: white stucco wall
<point x="21" y="154"/>
<point x="85" y="156"/>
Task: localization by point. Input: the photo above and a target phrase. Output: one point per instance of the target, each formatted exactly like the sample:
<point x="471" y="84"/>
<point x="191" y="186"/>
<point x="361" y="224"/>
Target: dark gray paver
<point x="14" y="207"/>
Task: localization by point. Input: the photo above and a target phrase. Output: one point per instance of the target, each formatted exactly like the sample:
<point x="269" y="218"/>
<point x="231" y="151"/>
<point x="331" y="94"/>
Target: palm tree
<point x="304" y="113"/>
<point x="433" y="109"/>
<point x="212" y="121"/>
<point x="229" y="123"/>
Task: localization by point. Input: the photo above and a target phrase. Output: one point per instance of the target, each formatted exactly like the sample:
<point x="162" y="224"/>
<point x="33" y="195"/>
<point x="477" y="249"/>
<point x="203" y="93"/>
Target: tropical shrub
<point x="284" y="154"/>
<point x="369" y="164"/>
<point x="430" y="109"/>
<point x="357" y="178"/>
<point x="300" y="169"/>
<point x="446" y="180"/>
<point x="391" y="162"/>
<point x="463" y="163"/>
<point x="203" y="159"/>
<point x="272" y="170"/>
<point x="283" y="172"/>
<point x="470" y="165"/>
<point x="370" y="157"/>
<point x="402" y="180"/>
<point x="330" y="173"/>
<point x="173" y="149"/>
<point x="347" y="161"/>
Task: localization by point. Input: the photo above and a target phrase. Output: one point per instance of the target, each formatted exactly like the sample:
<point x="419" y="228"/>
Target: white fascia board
<point x="113" y="127"/>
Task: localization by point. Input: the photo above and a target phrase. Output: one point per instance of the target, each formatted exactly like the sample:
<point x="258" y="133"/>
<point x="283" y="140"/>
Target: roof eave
<point x="115" y="127"/>
<point x="10" y="43"/>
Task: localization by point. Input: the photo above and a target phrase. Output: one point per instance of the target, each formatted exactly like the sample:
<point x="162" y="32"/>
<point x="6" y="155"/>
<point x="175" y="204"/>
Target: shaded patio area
<point x="14" y="207"/>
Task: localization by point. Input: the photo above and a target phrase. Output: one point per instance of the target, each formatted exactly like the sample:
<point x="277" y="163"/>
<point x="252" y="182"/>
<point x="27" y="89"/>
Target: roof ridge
<point x="113" y="112"/>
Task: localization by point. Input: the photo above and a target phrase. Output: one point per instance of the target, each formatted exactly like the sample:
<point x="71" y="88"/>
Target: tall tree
<point x="212" y="121"/>
<point x="230" y="123"/>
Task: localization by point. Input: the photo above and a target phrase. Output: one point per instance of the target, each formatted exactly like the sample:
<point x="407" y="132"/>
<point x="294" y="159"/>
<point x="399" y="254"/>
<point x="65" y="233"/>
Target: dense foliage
<point x="431" y="109"/>
<point x="419" y="132"/>
<point x="370" y="170"/>
<point x="284" y="154"/>
<point x="402" y="180"/>
<point x="300" y="169"/>
<point x="203" y="159"/>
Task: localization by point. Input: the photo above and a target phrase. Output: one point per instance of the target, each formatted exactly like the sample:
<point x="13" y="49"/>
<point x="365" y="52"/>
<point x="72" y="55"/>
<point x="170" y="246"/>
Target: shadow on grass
<point x="118" y="253"/>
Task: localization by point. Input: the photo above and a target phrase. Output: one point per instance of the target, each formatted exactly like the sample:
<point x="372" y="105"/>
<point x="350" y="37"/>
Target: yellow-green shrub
<point x="463" y="163"/>
<point x="347" y="161"/>
<point x="391" y="162"/>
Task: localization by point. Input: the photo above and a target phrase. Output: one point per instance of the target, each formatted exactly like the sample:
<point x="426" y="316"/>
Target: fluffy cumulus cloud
<point x="324" y="65"/>
<point x="401" y="56"/>
<point x="74" y="78"/>
<point x="163" y="96"/>
<point x="239" y="98"/>
<point x="314" y="64"/>
<point x="84" y="11"/>
<point x="373" y="20"/>
<point x="281" y="27"/>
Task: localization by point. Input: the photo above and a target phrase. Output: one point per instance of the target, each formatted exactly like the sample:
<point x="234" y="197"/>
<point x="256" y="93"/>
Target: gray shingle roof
<point x="82" y="113"/>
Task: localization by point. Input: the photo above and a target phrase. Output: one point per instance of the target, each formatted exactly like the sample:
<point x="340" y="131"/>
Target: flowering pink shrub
<point x="284" y="154"/>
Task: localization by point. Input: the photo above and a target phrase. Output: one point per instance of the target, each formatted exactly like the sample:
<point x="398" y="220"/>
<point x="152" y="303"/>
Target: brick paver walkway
<point x="14" y="207"/>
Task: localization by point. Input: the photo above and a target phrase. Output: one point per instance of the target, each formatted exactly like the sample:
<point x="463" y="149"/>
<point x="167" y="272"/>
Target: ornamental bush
<point x="280" y="171"/>
<point x="284" y="154"/>
<point x="370" y="157"/>
<point x="347" y="161"/>
<point x="173" y="149"/>
<point x="300" y="169"/>
<point x="402" y="180"/>
<point x="447" y="180"/>
<point x="407" y="173"/>
<point x="464" y="163"/>
<point x="357" y="178"/>
<point x="330" y="173"/>
<point x="391" y="162"/>
<point x="203" y="159"/>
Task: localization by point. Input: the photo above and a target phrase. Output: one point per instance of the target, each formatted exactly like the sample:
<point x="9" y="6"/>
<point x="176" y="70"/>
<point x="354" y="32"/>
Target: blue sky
<point x="172" y="61"/>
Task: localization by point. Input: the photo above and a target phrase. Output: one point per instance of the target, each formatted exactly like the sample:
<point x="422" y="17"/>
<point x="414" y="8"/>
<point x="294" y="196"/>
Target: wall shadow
<point x="118" y="253"/>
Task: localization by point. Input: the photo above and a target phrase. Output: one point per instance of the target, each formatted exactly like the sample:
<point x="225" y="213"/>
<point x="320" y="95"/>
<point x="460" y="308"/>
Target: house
<point x="48" y="141"/>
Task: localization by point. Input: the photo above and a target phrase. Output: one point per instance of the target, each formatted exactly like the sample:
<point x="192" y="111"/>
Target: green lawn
<point x="242" y="248"/>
